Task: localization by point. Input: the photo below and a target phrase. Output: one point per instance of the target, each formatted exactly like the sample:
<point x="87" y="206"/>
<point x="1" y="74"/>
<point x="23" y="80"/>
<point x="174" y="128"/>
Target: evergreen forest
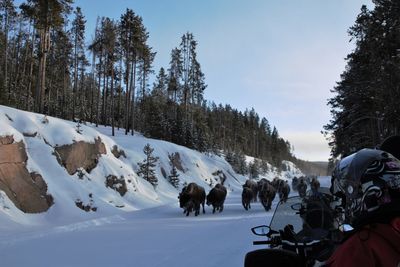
<point x="365" y="107"/>
<point x="47" y="66"/>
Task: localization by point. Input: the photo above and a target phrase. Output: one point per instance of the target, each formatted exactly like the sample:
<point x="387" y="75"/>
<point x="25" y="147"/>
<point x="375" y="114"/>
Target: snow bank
<point x="41" y="134"/>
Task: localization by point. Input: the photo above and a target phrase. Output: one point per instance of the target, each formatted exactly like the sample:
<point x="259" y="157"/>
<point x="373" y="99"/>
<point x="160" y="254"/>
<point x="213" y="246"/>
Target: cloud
<point x="311" y="146"/>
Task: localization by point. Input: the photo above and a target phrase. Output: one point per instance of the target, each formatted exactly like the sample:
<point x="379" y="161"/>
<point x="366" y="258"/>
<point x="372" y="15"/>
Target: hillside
<point x="81" y="172"/>
<point x="318" y="168"/>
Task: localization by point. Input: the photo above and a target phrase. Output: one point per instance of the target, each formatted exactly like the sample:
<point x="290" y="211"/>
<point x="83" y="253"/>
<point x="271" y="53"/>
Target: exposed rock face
<point x="175" y="159"/>
<point x="28" y="191"/>
<point x="118" y="152"/>
<point x="118" y="185"/>
<point x="80" y="155"/>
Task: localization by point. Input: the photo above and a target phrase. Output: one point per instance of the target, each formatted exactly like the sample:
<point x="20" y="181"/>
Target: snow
<point x="145" y="227"/>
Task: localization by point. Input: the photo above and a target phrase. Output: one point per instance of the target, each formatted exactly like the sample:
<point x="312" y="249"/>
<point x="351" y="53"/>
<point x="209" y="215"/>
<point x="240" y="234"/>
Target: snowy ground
<point x="160" y="236"/>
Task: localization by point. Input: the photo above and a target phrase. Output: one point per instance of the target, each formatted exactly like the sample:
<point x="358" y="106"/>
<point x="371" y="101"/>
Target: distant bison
<point x="295" y="182"/>
<point x="315" y="185"/>
<point x="247" y="196"/>
<point x="302" y="188"/>
<point x="191" y="197"/>
<point x="282" y="188"/>
<point x="216" y="197"/>
<point x="254" y="188"/>
<point x="266" y="194"/>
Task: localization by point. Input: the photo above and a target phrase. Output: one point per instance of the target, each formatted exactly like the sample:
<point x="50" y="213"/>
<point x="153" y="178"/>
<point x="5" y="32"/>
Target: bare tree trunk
<point x="30" y="77"/>
<point x="119" y="94"/>
<point x="112" y="100"/>
<point x="98" y="91"/>
<point x="105" y="85"/>
<point x="133" y="77"/>
<point x="82" y="116"/>
<point x="92" y="86"/>
<point x="75" y="88"/>
<point x="127" y="97"/>
<point x="6" y="57"/>
<point x="40" y="85"/>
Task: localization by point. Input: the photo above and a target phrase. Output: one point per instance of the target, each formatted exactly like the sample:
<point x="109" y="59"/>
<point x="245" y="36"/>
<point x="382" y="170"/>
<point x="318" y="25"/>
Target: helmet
<point x="366" y="181"/>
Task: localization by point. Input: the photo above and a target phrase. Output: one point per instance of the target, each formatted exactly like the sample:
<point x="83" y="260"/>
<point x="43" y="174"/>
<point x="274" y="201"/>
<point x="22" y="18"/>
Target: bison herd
<point x="265" y="191"/>
<point x="193" y="196"/>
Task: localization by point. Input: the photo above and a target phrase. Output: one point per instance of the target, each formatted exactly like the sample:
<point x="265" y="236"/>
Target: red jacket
<point x="374" y="245"/>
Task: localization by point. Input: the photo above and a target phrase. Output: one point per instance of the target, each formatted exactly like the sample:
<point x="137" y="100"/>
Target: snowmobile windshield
<point x="310" y="216"/>
<point x="287" y="213"/>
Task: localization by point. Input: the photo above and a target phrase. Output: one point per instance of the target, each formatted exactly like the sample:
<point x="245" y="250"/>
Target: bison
<point x="254" y="188"/>
<point x="216" y="197"/>
<point x="302" y="188"/>
<point x="191" y="197"/>
<point x="266" y="194"/>
<point x="315" y="185"/>
<point x="295" y="182"/>
<point x="247" y="196"/>
<point x="282" y="187"/>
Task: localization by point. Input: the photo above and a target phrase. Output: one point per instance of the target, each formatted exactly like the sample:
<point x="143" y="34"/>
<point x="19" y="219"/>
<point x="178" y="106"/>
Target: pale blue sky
<point x="281" y="57"/>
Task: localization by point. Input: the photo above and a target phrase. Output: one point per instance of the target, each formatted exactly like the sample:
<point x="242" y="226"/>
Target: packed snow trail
<point x="160" y="236"/>
<point x="154" y="237"/>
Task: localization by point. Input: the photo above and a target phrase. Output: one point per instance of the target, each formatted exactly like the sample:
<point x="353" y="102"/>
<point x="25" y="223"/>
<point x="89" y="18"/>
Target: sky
<point x="281" y="57"/>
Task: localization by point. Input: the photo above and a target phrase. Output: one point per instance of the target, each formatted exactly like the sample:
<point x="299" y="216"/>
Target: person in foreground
<point x="368" y="184"/>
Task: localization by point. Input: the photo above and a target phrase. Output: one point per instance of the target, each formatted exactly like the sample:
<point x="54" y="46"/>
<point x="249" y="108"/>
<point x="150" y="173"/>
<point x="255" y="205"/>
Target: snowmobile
<point x="302" y="232"/>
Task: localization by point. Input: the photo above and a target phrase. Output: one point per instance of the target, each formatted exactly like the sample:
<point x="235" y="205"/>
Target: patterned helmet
<point x="366" y="180"/>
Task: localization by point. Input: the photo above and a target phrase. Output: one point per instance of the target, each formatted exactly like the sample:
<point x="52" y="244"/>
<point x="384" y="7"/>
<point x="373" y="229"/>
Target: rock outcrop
<point x="175" y="159"/>
<point x="118" y="152"/>
<point x="118" y="185"/>
<point x="80" y="155"/>
<point x="28" y="191"/>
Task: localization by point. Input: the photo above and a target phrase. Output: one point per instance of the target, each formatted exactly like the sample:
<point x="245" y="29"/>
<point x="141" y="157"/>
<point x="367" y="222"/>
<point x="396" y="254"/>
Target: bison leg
<point x="244" y="205"/>
<point x="221" y="208"/>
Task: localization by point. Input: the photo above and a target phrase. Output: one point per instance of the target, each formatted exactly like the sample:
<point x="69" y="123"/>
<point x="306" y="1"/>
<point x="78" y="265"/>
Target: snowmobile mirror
<point x="296" y="206"/>
<point x="261" y="230"/>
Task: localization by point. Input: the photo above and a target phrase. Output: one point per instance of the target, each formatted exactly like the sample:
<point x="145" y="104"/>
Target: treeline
<point x="47" y="66"/>
<point x="366" y="108"/>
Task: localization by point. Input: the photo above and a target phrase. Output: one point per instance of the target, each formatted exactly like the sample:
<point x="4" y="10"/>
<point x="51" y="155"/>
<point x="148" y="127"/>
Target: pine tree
<point x="365" y="105"/>
<point x="78" y="37"/>
<point x="146" y="168"/>
<point x="173" y="177"/>
<point x="46" y="15"/>
<point x="7" y="17"/>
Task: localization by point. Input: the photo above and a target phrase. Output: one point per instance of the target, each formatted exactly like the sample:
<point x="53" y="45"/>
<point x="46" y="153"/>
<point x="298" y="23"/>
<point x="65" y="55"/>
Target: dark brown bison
<point x="254" y="188"/>
<point x="247" y="196"/>
<point x="282" y="187"/>
<point x="266" y="194"/>
<point x="302" y="188"/>
<point x="191" y="197"/>
<point x="295" y="182"/>
<point x="315" y="185"/>
<point x="216" y="197"/>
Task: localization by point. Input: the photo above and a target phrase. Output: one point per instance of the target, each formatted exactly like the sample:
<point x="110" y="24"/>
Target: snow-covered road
<point x="160" y="236"/>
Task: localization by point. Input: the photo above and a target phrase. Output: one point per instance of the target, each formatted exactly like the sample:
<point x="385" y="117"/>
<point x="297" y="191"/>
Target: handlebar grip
<point x="264" y="242"/>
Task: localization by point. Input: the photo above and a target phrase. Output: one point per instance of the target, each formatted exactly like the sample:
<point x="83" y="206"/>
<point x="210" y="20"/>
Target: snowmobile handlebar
<point x="264" y="242"/>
